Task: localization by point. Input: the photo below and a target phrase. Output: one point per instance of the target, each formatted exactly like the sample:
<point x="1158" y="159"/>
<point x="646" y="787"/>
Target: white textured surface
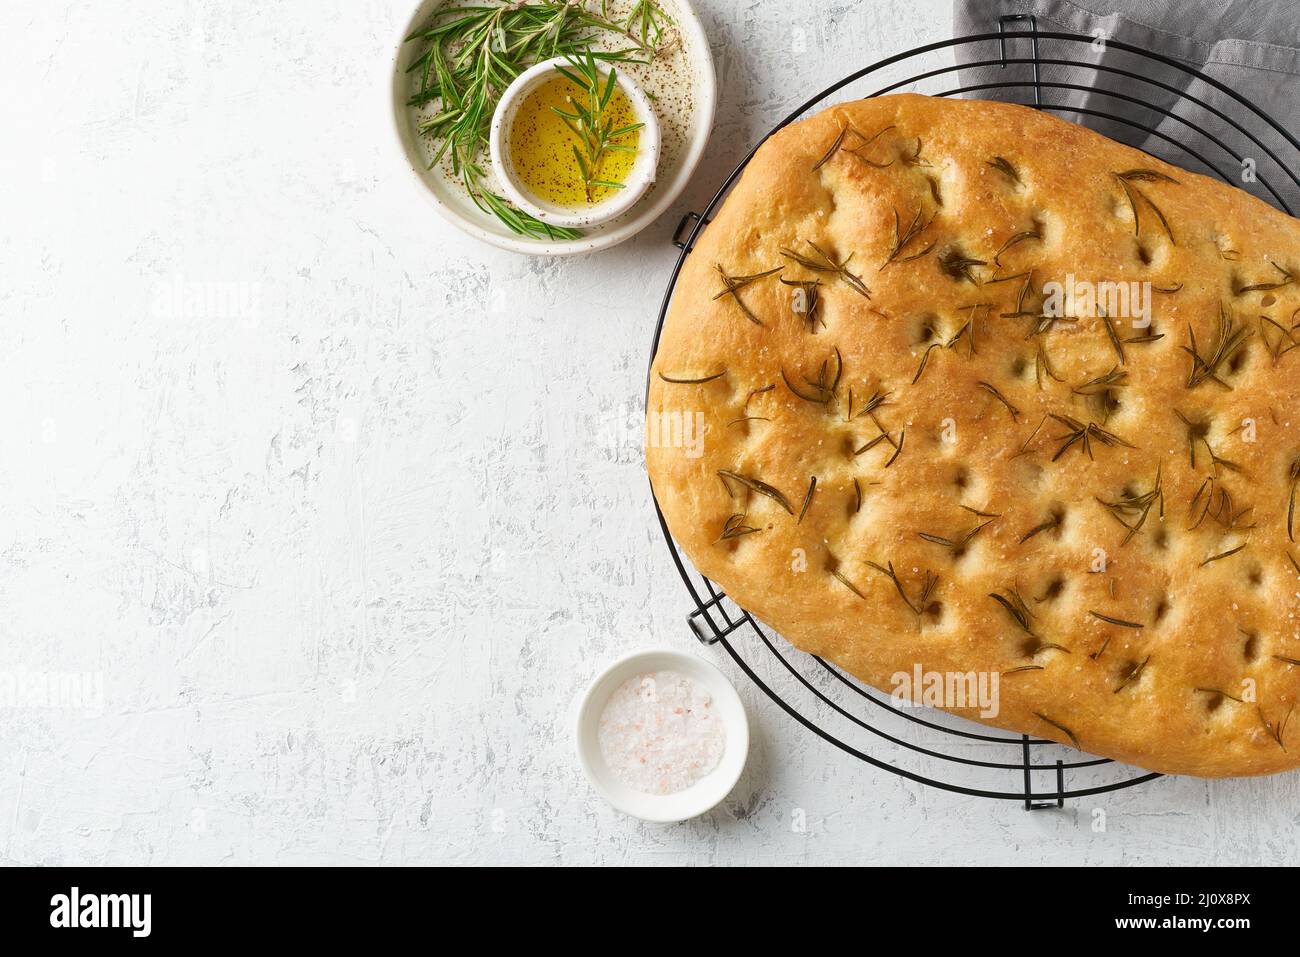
<point x="343" y="558"/>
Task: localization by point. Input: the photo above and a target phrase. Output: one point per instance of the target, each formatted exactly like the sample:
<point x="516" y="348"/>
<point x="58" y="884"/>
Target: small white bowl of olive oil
<point x="551" y="167"/>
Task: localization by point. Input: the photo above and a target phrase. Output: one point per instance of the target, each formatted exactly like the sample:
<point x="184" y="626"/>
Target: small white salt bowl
<point x="705" y="793"/>
<point x="639" y="177"/>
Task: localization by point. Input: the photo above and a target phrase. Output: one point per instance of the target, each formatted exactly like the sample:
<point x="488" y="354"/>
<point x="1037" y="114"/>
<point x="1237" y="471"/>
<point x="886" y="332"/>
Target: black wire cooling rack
<point x="927" y="746"/>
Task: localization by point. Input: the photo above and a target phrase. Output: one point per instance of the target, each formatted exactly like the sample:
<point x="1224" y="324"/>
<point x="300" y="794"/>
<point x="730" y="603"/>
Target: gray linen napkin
<point x="1252" y="47"/>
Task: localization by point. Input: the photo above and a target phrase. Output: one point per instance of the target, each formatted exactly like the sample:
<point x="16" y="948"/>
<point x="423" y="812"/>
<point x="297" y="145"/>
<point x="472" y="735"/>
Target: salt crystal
<point x="659" y="733"/>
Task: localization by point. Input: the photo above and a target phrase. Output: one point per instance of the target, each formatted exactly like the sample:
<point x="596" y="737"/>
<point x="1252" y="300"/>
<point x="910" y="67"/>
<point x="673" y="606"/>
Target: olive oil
<point x="542" y="145"/>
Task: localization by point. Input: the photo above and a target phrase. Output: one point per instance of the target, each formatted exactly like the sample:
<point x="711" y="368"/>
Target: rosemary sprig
<point x="1005" y="168"/>
<point x="1043" y="322"/>
<point x="1127" y="180"/>
<point x="969" y="330"/>
<point x="1218" y="693"/>
<point x="645" y="21"/>
<point x="1133" y="674"/>
<point x="821" y="390"/>
<point x="516" y="220"/>
<point x="1043" y="367"/>
<point x="1294" y="474"/>
<point x="468" y="55"/>
<point x="824" y="262"/>
<point x="872" y="443"/>
<point x="862" y="143"/>
<point x="1054" y="520"/>
<point x="959" y="543"/>
<point x="993" y="391"/>
<point x="898" y="449"/>
<point x="1279" y="346"/>
<point x="1115" y="378"/>
<point x="1138" y="505"/>
<point x="936" y="193"/>
<point x="1084" y="434"/>
<point x="754" y="485"/>
<point x="1020" y="310"/>
<point x="1229" y="338"/>
<point x="1276" y="731"/>
<point x="735" y="527"/>
<point x="1110" y="620"/>
<point x="733" y="284"/>
<point x="590" y="123"/>
<point x="903" y="237"/>
<point x="1015" y="240"/>
<point x="835" y="148"/>
<point x="848" y="584"/>
<point x="760" y="391"/>
<point x="875" y="401"/>
<point x="914" y="158"/>
<point x="925" y="360"/>
<point x="1197" y="430"/>
<point x="1113" y="336"/>
<point x="928" y="582"/>
<point x="807" y="500"/>
<point x="685" y="380"/>
<point x="1286" y="280"/>
<point x="1036" y="646"/>
<point x="1220" y="508"/>
<point x="1207" y="485"/>
<point x="956" y="265"/>
<point x="1015" y="606"/>
<point x="1024" y="446"/>
<point x="1217" y="461"/>
<point x="1058" y="726"/>
<point x="1144" y="339"/>
<point x="1221" y="555"/>
<point x="809" y="291"/>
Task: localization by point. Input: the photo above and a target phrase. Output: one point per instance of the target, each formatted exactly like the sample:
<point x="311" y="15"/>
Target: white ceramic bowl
<point x="704" y="794"/>
<point x="639" y="177"/>
<point x="450" y="201"/>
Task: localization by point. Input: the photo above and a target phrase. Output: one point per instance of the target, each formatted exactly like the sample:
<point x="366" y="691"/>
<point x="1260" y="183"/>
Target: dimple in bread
<point x="935" y="434"/>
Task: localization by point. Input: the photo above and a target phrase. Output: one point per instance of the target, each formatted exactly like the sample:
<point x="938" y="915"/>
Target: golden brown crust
<point x="980" y="446"/>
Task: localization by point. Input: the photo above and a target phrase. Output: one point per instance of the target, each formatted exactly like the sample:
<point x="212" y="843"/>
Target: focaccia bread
<point x="1018" y="469"/>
